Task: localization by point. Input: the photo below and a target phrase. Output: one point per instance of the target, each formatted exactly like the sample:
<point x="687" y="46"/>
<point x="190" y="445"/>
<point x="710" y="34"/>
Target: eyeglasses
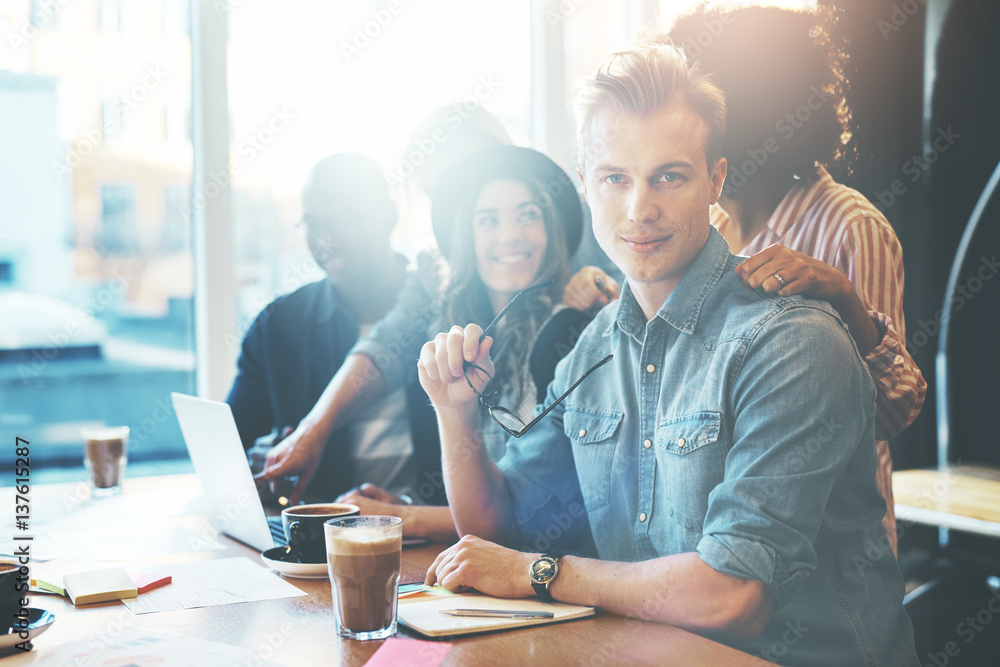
<point x="488" y="392"/>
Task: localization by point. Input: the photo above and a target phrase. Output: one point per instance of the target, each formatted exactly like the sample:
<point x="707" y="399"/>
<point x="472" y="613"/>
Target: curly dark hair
<point x="468" y="300"/>
<point x="784" y="78"/>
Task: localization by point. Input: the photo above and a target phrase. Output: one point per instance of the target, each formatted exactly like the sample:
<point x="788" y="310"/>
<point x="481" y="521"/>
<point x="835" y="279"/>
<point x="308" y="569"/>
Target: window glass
<point x="352" y="76"/>
<point x="671" y="9"/>
<point x="593" y="30"/>
<point x="95" y="257"/>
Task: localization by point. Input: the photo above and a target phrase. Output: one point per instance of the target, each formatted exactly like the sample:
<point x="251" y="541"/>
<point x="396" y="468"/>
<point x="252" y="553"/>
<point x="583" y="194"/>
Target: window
<point x="96" y="272"/>
<point x="110" y="16"/>
<point x="176" y="234"/>
<point x="112" y="116"/>
<point x="176" y="18"/>
<point x="117" y="234"/>
<point x="671" y="9"/>
<point x="44" y="13"/>
<point x="353" y="77"/>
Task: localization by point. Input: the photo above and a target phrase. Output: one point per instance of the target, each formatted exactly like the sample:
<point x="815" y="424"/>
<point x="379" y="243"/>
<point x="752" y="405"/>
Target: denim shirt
<point x="736" y="424"/>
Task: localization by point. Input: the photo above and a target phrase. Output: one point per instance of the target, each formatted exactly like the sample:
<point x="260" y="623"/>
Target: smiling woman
<point x="507" y="218"/>
<point x="509" y="237"/>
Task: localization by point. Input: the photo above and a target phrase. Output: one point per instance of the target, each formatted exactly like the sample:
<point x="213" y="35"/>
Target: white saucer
<point x="39" y="622"/>
<point x="281" y="560"/>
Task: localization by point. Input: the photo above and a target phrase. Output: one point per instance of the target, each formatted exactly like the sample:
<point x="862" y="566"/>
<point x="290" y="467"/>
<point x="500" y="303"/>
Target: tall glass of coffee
<point x="364" y="554"/>
<point x="105" y="455"/>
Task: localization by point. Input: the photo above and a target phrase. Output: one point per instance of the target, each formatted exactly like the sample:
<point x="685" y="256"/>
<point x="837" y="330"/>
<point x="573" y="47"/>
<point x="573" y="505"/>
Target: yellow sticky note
<point x="99" y="586"/>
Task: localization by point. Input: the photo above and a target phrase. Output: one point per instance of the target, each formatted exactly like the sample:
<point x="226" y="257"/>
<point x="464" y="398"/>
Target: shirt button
<point x="647" y="443"/>
<point x="650" y="368"/>
<point x="642" y="517"/>
<point x="681" y="442"/>
<point x="583" y="432"/>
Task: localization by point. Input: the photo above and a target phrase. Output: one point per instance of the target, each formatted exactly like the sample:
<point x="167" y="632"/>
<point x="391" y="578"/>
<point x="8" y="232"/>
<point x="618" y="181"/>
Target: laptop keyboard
<point x="277" y="531"/>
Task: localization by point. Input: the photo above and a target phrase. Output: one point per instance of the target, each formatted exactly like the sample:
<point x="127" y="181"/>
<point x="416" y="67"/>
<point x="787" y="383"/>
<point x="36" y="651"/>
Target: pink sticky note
<point x="147" y="582"/>
<point x="400" y="652"/>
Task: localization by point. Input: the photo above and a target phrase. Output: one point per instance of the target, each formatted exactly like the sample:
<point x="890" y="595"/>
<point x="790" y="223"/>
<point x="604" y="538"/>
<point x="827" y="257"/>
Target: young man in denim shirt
<point x="722" y="465"/>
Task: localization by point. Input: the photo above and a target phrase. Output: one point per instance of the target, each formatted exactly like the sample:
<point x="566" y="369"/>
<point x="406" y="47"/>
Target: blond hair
<point x="643" y="80"/>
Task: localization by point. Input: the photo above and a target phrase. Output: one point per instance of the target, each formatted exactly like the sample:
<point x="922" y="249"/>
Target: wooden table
<point x="309" y="636"/>
<point x="960" y="497"/>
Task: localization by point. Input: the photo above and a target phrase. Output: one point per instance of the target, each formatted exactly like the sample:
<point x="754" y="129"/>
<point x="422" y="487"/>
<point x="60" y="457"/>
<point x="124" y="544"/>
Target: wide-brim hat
<point x="505" y="163"/>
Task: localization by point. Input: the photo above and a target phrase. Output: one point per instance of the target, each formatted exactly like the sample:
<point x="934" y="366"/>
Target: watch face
<point x="543" y="570"/>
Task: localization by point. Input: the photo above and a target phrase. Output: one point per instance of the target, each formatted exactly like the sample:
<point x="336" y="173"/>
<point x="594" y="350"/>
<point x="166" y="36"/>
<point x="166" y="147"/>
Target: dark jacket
<point x="289" y="355"/>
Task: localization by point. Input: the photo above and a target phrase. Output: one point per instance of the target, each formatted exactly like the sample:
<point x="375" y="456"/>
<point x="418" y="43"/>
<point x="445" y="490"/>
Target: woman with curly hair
<point x="787" y="122"/>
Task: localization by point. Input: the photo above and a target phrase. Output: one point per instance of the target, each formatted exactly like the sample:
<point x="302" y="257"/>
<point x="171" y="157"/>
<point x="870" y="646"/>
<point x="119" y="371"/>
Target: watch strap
<point x="542" y="591"/>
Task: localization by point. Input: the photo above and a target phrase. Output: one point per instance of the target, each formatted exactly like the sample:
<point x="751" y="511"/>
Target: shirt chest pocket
<point x="691" y="461"/>
<point x="594" y="435"/>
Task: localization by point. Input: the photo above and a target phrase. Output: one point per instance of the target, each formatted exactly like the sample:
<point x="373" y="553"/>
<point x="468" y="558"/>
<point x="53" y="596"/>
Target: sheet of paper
<point x="76" y="500"/>
<point x="138" y="648"/>
<point x="41" y="547"/>
<point x="161" y="504"/>
<point x="119" y="540"/>
<point x="400" y="652"/>
<point x="213" y="582"/>
<point x="126" y="540"/>
<point x="128" y="526"/>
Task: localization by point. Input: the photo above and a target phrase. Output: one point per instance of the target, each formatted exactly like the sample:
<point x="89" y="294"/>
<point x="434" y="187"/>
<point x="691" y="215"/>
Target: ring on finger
<point x="777" y="276"/>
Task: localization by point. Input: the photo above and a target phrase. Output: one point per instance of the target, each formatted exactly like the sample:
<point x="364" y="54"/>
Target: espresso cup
<point x="364" y="556"/>
<point x="303" y="526"/>
<point x="10" y="597"/>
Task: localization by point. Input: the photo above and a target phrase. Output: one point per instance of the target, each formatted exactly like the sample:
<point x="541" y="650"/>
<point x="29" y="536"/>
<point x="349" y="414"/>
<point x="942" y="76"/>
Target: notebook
<point x="423" y="612"/>
<point x="219" y="460"/>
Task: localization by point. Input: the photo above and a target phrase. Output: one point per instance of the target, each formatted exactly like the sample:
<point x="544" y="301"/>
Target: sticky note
<point x="52" y="584"/>
<point x="99" y="586"/>
<point x="147" y="582"/>
<point x="396" y="651"/>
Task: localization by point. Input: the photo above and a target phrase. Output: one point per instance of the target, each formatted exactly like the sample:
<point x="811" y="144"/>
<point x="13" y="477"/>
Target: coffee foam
<point x="362" y="540"/>
<point x="106" y="433"/>
<point x="319" y="509"/>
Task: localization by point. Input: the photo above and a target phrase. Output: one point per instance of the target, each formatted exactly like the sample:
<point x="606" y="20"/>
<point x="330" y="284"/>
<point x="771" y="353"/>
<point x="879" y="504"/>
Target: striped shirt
<point x="839" y="226"/>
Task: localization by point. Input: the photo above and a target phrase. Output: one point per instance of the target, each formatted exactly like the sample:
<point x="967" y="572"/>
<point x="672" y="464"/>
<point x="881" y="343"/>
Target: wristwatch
<point x="543" y="572"/>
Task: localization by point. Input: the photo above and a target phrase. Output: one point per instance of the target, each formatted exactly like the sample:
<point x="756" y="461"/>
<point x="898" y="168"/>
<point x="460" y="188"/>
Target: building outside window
<point x="97" y="291"/>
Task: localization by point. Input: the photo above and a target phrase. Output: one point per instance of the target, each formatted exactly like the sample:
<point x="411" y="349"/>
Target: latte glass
<point x="364" y="555"/>
<point x="105" y="452"/>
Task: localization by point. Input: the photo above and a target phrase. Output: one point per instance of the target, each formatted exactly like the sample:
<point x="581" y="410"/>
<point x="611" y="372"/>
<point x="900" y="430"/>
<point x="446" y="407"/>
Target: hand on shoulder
<point x="590" y="288"/>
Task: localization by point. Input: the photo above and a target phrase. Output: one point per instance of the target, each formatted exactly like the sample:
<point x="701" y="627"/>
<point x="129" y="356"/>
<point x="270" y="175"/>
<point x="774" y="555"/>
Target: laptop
<point x="221" y="465"/>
